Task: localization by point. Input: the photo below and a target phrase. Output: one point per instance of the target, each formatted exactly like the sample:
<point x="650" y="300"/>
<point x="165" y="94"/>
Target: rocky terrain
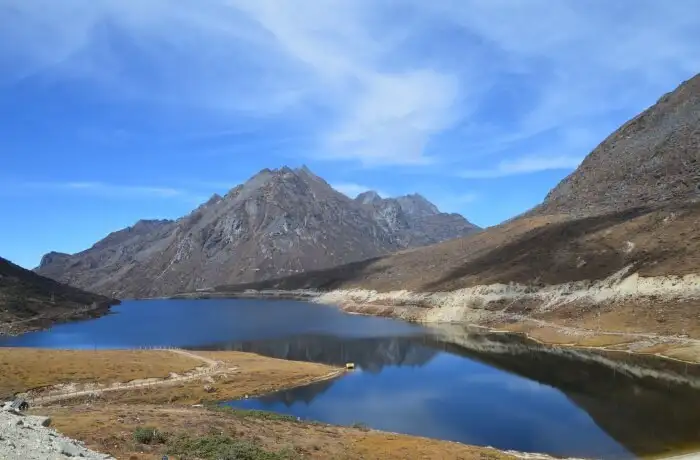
<point x="28" y="437"/>
<point x="278" y="223"/>
<point x="29" y="301"/>
<point x="414" y="220"/>
<point x="652" y="160"/>
<point x="618" y="239"/>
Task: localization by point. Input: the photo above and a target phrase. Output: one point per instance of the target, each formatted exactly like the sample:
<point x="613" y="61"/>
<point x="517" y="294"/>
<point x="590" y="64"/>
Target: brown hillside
<point x="28" y="300"/>
<point x="652" y="160"/>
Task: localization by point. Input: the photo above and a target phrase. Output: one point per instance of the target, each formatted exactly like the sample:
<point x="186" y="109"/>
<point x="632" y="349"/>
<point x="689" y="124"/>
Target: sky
<point x="118" y="110"/>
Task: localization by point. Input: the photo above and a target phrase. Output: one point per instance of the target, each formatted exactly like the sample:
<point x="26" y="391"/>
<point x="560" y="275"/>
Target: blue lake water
<point x="475" y="388"/>
<point x="192" y="323"/>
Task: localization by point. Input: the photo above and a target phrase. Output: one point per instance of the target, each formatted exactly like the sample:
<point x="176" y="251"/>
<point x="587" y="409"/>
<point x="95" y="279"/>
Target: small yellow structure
<point x="350" y="366"/>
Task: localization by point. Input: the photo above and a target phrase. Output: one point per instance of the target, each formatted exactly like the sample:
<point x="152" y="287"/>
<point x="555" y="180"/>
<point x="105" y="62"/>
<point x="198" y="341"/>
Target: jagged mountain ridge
<point x="279" y="222"/>
<point x="413" y="219"/>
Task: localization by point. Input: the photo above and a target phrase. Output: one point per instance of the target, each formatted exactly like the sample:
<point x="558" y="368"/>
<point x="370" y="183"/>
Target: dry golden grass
<point x="249" y="375"/>
<point x="689" y="353"/>
<point x="109" y="429"/>
<point x="238" y="374"/>
<point x="30" y="368"/>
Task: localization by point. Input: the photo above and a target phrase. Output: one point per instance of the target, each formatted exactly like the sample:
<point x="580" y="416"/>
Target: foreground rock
<point x="26" y="437"/>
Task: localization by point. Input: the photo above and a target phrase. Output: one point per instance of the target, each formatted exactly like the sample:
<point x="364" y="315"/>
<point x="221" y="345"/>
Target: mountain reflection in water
<point x="494" y="389"/>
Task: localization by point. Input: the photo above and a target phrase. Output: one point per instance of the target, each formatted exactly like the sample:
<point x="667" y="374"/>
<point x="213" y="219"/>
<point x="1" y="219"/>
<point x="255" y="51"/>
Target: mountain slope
<point x="653" y="159"/>
<point x="29" y="300"/>
<point x="278" y="223"/>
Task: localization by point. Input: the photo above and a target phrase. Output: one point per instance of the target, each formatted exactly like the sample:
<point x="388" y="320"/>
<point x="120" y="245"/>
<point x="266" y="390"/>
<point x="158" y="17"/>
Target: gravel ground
<point x="26" y="437"/>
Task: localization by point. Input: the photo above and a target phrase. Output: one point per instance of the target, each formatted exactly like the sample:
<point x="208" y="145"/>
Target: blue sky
<point x="116" y="110"/>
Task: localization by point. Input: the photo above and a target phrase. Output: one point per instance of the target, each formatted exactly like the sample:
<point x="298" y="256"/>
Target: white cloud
<point x="524" y="165"/>
<point x="582" y="60"/>
<point x="352" y="189"/>
<point x="105" y="190"/>
<point x="252" y="58"/>
<point x="376" y="82"/>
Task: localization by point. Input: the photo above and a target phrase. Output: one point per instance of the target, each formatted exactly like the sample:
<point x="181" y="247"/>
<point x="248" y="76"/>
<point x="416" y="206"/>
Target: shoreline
<point x="476" y="308"/>
<point x="42" y="323"/>
<point x="128" y="399"/>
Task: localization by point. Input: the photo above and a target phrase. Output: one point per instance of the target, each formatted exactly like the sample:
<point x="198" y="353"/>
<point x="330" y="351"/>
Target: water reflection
<point x="369" y="354"/>
<point x="495" y="389"/>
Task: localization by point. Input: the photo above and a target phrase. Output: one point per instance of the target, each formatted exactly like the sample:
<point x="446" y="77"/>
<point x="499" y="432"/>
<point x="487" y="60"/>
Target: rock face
<point x="27" y="437"/>
<point x="28" y="300"/>
<point x="414" y="220"/>
<point x="278" y="223"/>
<point x="651" y="160"/>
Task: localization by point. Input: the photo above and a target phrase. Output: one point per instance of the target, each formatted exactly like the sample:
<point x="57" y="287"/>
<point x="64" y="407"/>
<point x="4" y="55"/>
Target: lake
<point x="448" y="383"/>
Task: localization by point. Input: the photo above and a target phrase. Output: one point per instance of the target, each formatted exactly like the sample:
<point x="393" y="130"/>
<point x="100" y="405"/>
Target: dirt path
<point x="212" y="363"/>
<point x="213" y="367"/>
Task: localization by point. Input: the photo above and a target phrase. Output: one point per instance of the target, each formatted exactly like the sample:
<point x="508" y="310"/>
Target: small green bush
<point x="220" y="447"/>
<point x="257" y="414"/>
<point x="149" y="435"/>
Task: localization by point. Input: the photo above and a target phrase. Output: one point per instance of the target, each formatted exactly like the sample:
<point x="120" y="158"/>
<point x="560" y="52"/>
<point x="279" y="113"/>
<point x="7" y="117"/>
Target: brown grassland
<point x="107" y="422"/>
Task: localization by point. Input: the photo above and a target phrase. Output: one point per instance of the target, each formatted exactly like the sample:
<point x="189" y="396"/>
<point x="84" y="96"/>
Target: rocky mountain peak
<point x="53" y="257"/>
<point x="368" y="197"/>
<point x="279" y="222"/>
<point x="417" y="205"/>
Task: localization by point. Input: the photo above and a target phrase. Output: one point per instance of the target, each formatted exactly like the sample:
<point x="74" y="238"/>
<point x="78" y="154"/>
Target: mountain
<point x="278" y="223"/>
<point x="29" y="301"/>
<point x="413" y="220"/>
<point x="622" y="232"/>
<point x="652" y="160"/>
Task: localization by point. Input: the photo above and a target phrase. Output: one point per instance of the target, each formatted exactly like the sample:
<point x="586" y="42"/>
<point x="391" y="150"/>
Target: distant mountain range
<point x="278" y="223"/>
<point x="30" y="301"/>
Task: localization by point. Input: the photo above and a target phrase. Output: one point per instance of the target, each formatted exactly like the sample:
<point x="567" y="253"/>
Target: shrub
<point x="149" y="435"/>
<point x="220" y="447"/>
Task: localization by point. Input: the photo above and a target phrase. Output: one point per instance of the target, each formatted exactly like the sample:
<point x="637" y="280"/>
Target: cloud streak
<point x="373" y="82"/>
<point x="524" y="165"/>
<point x="106" y="190"/>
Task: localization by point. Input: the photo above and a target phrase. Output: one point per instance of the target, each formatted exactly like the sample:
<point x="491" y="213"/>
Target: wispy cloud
<point x="105" y="190"/>
<point x="454" y="202"/>
<point x="376" y="82"/>
<point x="523" y="165"/>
